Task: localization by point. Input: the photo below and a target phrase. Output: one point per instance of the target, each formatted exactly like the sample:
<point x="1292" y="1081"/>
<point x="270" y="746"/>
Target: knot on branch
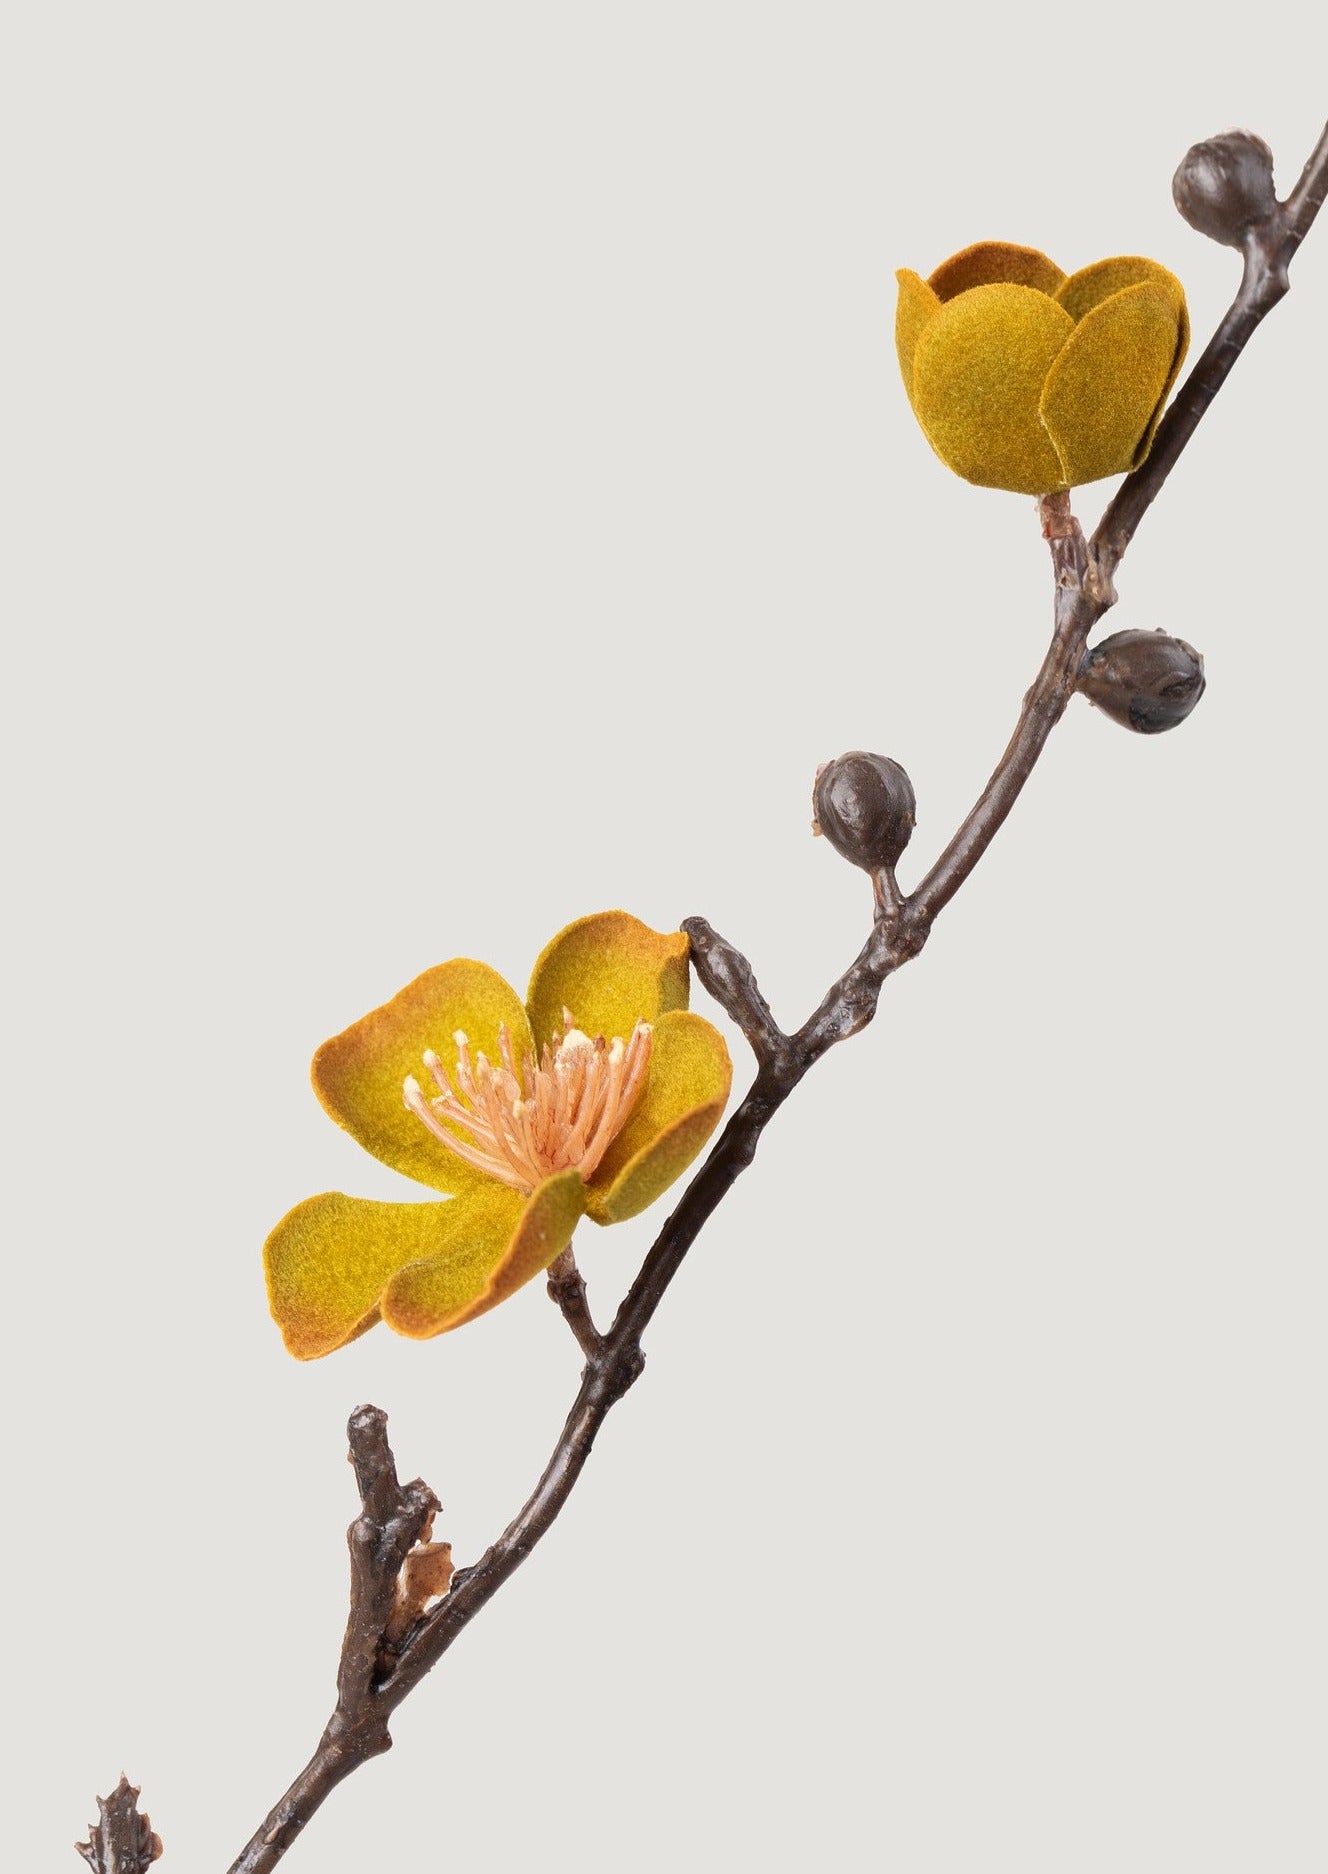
<point x="626" y="1371"/>
<point x="121" y="1840"/>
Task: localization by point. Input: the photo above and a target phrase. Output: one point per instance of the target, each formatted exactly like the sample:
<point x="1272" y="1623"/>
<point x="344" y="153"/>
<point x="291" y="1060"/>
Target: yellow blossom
<point x="588" y="1100"/>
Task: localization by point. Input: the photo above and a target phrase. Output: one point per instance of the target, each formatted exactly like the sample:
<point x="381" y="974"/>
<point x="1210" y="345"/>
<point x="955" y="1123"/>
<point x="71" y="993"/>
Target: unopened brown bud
<point x="865" y="806"/>
<point x="1224" y="187"/>
<point x="1144" y="680"/>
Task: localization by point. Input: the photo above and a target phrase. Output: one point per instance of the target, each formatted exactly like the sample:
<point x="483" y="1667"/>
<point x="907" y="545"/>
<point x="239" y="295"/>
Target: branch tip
<point x="729" y="978"/>
<point x="121" y="1840"/>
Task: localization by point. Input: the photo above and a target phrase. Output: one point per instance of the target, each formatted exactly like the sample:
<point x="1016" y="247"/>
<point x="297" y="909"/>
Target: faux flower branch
<point x="595" y="1094"/>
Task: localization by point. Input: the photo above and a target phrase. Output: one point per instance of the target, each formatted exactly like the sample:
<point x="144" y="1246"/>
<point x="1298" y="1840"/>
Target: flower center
<point x="523" y="1124"/>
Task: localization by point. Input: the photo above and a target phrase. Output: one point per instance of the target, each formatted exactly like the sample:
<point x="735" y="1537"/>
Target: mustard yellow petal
<point x="995" y="263"/>
<point x="684" y="1099"/>
<point x="497" y="1241"/>
<point x="1182" y="346"/>
<point x="328" y="1261"/>
<point x="1105" y="387"/>
<point x="611" y="971"/>
<point x="358" y="1075"/>
<point x="978" y="374"/>
<point x="917" y="304"/>
<point x="1091" y="285"/>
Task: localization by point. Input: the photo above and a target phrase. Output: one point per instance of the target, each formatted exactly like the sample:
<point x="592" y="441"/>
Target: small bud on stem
<point x="1144" y="680"/>
<point x="1224" y="187"/>
<point x="865" y="806"/>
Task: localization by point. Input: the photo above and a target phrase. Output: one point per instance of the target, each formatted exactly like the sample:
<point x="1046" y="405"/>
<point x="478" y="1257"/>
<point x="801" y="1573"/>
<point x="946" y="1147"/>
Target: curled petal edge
<point x="487" y="1260"/>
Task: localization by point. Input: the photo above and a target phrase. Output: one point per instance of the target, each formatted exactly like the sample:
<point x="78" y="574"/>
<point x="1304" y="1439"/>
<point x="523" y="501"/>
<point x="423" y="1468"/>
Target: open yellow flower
<point x="588" y="1100"/>
<point x="1026" y="379"/>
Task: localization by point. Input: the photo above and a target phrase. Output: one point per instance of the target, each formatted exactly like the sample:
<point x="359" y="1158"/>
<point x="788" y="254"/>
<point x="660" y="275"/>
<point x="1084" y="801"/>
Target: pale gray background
<point x="457" y="478"/>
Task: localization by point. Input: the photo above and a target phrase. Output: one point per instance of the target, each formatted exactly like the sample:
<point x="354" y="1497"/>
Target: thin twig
<point x="567" y="1287"/>
<point x="1077" y="610"/>
<point x="730" y="979"/>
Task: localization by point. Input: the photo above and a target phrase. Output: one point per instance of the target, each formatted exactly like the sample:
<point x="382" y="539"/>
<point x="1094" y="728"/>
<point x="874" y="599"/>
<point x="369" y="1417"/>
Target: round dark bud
<point x="1224" y="187"/>
<point x="864" y="804"/>
<point x="1144" y="680"/>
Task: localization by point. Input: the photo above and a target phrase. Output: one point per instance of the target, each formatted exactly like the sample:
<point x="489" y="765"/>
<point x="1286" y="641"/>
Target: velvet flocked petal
<point x="995" y="263"/>
<point x="1103" y="389"/>
<point x="1091" y="285"/>
<point x="1178" y="359"/>
<point x="358" y="1075"/>
<point x="973" y="342"/>
<point x="684" y="1099"/>
<point x="329" y="1259"/>
<point x="611" y="971"/>
<point x="978" y="375"/>
<point x="496" y="1241"/>
<point x="917" y="305"/>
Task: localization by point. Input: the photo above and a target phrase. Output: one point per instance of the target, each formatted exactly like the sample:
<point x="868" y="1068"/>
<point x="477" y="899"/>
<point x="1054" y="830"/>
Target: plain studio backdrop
<point x="457" y="478"/>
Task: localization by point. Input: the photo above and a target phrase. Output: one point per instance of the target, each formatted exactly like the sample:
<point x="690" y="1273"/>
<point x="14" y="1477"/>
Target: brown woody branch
<point x="390" y="1644"/>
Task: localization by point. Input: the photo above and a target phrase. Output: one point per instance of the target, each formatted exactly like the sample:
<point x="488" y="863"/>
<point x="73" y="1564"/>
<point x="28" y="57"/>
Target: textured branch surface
<point x="393" y="1638"/>
<point x="121" y="1839"/>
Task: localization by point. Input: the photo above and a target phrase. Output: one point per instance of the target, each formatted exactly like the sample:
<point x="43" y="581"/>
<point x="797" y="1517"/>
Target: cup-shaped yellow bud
<point x="1027" y="378"/>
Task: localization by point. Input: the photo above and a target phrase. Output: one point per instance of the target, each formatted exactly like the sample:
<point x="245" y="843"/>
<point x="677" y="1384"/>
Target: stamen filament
<point x="555" y="1112"/>
<point x="471" y="1154"/>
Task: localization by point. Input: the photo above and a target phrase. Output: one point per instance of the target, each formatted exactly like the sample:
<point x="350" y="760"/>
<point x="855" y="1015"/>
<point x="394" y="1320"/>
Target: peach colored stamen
<point x="523" y="1124"/>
